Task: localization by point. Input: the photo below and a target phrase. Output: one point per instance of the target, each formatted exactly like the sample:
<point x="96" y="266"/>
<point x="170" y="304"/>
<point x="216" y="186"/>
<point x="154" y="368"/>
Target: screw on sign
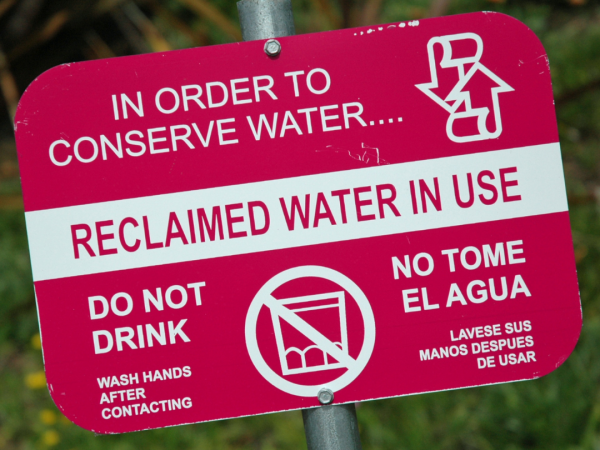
<point x="272" y="47"/>
<point x="299" y="230"/>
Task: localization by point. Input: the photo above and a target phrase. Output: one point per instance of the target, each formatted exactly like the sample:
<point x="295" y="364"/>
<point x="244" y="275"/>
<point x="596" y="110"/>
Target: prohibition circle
<point x="261" y="299"/>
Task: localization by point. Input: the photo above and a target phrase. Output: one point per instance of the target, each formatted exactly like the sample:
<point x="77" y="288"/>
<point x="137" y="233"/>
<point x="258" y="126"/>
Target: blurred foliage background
<point x="559" y="411"/>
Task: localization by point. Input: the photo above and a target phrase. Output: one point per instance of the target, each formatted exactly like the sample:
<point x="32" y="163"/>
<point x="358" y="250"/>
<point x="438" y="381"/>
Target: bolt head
<point x="325" y="396"/>
<point x="272" y="47"/>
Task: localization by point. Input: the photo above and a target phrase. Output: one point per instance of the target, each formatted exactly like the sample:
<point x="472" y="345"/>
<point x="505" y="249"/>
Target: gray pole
<point x="332" y="427"/>
<point x="264" y="19"/>
<point x="328" y="427"/>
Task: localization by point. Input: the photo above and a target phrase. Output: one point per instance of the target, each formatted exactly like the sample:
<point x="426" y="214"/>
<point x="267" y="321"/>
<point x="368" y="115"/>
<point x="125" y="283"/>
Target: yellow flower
<point x="36" y="380"/>
<point x="50" y="438"/>
<point x="48" y="417"/>
<point x="64" y="420"/>
<point x="36" y="341"/>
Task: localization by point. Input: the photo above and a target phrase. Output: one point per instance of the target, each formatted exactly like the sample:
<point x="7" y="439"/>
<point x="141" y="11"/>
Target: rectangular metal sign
<point x="217" y="233"/>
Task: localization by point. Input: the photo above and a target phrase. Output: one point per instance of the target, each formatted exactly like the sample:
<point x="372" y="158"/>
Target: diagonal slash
<point x="307" y="330"/>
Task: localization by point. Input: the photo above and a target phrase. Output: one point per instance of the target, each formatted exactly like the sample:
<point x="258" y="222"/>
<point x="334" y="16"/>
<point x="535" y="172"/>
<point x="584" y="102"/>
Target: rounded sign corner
<point x="568" y="352"/>
<point x="35" y="90"/>
<point x="522" y="26"/>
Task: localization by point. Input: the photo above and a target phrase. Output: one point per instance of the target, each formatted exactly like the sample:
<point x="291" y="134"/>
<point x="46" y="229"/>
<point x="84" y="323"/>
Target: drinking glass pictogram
<point x="312" y="303"/>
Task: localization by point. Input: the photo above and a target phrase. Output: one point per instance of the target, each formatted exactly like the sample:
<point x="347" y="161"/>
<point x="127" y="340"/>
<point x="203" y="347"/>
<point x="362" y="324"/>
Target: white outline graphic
<point x="458" y="96"/>
<point x="301" y="301"/>
<point x="338" y="351"/>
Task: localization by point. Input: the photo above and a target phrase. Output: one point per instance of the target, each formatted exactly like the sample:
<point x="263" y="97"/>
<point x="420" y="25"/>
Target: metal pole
<point x="264" y="19"/>
<point x="328" y="427"/>
<point x="332" y="427"/>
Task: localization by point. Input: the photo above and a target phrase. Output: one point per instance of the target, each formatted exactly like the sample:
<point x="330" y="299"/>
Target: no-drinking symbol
<point x="289" y="311"/>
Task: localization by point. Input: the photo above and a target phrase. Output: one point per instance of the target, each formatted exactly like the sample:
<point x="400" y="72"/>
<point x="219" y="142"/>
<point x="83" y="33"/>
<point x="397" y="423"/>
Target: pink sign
<point x="216" y="233"/>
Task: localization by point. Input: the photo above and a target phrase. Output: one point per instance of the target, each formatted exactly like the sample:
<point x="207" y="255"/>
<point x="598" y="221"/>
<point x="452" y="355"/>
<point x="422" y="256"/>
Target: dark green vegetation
<point x="559" y="411"/>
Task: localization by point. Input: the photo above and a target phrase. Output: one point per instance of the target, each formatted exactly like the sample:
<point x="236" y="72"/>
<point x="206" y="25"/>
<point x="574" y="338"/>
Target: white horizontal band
<point x="540" y="186"/>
